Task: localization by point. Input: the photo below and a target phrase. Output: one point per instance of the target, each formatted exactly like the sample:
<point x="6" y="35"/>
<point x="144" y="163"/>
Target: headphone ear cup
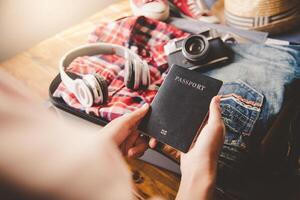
<point x="145" y="74"/>
<point x="97" y="85"/>
<point x="138" y="72"/>
<point x="83" y="93"/>
<point x="129" y="74"/>
<point x="103" y="88"/>
<point x="73" y="76"/>
<point x="91" y="83"/>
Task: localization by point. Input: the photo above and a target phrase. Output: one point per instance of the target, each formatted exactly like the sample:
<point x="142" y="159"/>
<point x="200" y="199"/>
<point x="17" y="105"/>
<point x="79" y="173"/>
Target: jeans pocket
<point x="241" y="106"/>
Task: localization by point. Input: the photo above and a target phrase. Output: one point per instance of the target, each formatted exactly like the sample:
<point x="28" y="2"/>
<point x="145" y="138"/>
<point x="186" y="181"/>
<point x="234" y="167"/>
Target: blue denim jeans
<point x="254" y="88"/>
<point x="253" y="93"/>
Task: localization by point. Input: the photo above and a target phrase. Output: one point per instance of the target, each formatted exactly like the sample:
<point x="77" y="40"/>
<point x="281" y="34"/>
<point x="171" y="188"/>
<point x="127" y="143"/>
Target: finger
<point x="137" y="155"/>
<point x="214" y="110"/>
<point x="215" y="117"/>
<point x="123" y="149"/>
<point x="139" y="149"/>
<point x="152" y="143"/>
<point x="120" y="128"/>
<point x="131" y="139"/>
<point x="117" y="131"/>
<point x="212" y="135"/>
<point x="133" y="118"/>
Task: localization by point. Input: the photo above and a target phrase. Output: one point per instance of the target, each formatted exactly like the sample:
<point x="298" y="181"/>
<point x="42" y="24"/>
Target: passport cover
<point x="179" y="108"/>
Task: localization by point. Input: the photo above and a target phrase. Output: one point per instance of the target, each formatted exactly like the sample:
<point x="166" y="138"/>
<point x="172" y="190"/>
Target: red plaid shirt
<point x="148" y="38"/>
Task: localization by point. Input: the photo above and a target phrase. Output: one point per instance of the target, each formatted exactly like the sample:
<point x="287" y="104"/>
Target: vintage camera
<point x="200" y="51"/>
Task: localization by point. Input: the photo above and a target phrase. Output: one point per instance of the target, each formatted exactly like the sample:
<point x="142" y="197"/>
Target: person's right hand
<point x="199" y="165"/>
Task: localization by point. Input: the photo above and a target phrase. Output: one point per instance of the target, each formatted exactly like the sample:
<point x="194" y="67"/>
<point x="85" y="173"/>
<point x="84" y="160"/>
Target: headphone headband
<point x="92" y="88"/>
<point x="90" y="50"/>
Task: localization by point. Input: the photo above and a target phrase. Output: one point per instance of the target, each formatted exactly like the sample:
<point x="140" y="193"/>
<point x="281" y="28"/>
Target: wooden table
<point x="37" y="66"/>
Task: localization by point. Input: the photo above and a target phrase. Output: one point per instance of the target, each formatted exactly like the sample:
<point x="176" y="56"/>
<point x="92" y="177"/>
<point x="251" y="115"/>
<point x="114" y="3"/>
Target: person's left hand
<point x="123" y="131"/>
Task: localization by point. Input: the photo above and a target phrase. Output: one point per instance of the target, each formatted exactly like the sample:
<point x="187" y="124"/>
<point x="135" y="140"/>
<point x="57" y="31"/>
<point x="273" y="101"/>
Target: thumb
<point x="121" y="127"/>
<point x="213" y="132"/>
<point x="215" y="111"/>
<point x="133" y="118"/>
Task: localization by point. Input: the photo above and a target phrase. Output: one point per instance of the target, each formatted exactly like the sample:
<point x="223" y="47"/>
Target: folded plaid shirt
<point x="147" y="38"/>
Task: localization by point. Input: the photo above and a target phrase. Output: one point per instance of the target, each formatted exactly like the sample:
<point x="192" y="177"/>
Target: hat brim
<point x="275" y="27"/>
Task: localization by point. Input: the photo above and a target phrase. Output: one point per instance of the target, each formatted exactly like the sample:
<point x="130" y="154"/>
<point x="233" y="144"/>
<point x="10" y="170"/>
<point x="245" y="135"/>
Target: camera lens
<point x="195" y="47"/>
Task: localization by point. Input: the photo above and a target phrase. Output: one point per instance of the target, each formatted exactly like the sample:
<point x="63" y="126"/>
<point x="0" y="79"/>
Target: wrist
<point x="195" y="187"/>
<point x="204" y="170"/>
<point x="198" y="183"/>
<point x="205" y="179"/>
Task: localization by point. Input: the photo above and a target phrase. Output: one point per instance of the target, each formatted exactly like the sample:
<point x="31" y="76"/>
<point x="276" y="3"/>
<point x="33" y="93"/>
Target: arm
<point x="42" y="157"/>
<point x="199" y="165"/>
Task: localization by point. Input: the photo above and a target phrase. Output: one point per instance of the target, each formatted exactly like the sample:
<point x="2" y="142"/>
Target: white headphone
<point x="92" y="89"/>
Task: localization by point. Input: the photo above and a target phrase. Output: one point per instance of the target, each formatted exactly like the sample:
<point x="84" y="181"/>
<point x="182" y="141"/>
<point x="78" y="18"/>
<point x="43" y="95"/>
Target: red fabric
<point x="140" y="3"/>
<point x="148" y="37"/>
<point x="192" y="8"/>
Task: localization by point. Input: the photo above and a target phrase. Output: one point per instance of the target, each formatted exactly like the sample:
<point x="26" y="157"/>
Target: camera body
<point x="205" y="49"/>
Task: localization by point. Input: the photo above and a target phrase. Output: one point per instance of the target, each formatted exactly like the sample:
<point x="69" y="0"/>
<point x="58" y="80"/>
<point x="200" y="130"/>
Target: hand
<point x="123" y="131"/>
<point x="199" y="165"/>
<point x="204" y="154"/>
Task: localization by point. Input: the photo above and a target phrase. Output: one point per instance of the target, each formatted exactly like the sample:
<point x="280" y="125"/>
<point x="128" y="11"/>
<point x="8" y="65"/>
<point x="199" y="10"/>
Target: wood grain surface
<point x="37" y="66"/>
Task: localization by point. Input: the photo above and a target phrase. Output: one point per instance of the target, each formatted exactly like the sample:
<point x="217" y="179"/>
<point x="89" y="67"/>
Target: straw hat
<point x="273" y="16"/>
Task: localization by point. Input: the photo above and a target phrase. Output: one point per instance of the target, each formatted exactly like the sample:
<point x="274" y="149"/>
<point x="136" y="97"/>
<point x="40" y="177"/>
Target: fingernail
<point x="146" y="105"/>
<point x="218" y="98"/>
<point x="130" y="153"/>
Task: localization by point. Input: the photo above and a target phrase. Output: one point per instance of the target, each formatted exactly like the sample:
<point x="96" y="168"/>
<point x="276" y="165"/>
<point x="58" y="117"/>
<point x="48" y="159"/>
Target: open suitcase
<point x="269" y="164"/>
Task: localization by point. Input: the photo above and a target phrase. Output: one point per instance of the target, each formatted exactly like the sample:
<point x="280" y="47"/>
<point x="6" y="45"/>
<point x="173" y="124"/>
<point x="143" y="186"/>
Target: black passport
<point x="180" y="107"/>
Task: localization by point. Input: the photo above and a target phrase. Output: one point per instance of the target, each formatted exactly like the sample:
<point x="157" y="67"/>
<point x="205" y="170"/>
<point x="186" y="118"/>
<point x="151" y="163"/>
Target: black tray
<point x="59" y="102"/>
